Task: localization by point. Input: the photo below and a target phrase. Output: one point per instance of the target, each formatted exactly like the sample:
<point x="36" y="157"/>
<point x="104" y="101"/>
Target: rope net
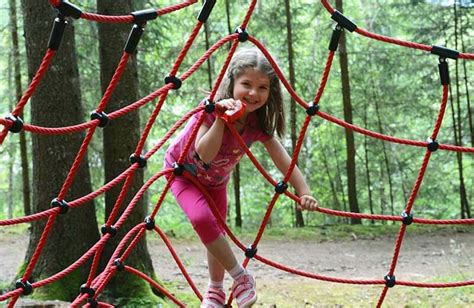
<point x="98" y="281"/>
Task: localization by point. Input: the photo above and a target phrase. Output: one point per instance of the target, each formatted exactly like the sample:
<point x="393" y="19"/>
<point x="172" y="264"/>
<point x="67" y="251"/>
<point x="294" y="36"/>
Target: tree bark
<point x="120" y="140"/>
<point x="367" y="169"/>
<point x="57" y="102"/>
<point x="299" y="221"/>
<point x="350" y="144"/>
<point x="18" y="92"/>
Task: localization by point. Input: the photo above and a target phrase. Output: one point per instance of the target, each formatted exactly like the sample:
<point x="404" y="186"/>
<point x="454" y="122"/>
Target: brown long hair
<point x="271" y="116"/>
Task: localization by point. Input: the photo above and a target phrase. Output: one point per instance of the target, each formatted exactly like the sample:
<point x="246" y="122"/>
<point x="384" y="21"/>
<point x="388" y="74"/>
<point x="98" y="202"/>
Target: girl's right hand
<point x="226" y="104"/>
<point x="230" y="110"/>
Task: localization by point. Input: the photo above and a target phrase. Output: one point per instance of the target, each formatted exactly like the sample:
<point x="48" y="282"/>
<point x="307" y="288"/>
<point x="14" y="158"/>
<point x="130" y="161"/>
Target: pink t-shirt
<point x="216" y="174"/>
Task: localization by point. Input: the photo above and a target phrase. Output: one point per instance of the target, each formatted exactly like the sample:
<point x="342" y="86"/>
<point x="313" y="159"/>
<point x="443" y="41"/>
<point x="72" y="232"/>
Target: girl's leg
<point x="221" y="252"/>
<point x="216" y="270"/>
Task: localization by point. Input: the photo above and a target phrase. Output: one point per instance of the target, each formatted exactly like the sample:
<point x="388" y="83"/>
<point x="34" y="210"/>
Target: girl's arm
<point x="282" y="161"/>
<point x="209" y="139"/>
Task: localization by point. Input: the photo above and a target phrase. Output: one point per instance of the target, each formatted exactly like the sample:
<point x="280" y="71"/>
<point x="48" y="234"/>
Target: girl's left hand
<point x="308" y="202"/>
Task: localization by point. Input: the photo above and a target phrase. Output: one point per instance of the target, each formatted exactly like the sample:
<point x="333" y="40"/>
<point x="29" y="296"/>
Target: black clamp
<point x="433" y="145"/>
<point x="335" y="37"/>
<point x="133" y="38"/>
<point x="444" y="52"/>
<point x="57" y="33"/>
<point x="407" y="218"/>
<point x="141" y="160"/>
<point x="142" y="16"/>
<point x="150" y="223"/>
<point x="390" y="281"/>
<point x="281" y="187"/>
<point x="92" y="302"/>
<point x="206" y="10"/>
<point x="17" y="125"/>
<point x="103" y="118"/>
<point x="443" y="71"/>
<point x="313" y="109"/>
<point x="178" y="169"/>
<point x="66" y="9"/>
<point x="174" y="80"/>
<point x="63" y="205"/>
<point x="87" y="290"/>
<point x="25" y="285"/>
<point x="119" y="265"/>
<point x="250" y="252"/>
<point x="243" y="34"/>
<point x="108" y="229"/>
<point x="343" y="21"/>
<point x="209" y="106"/>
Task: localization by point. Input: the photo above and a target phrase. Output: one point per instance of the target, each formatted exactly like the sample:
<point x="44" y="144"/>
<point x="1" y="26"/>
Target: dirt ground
<point x="423" y="258"/>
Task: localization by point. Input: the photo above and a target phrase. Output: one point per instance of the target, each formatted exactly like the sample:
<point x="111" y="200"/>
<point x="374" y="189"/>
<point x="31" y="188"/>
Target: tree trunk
<point x="299" y="221"/>
<point x="385" y="157"/>
<point x="57" y="102"/>
<point x="466" y="83"/>
<point x="459" y="136"/>
<point x="351" y="152"/>
<point x="120" y="140"/>
<point x="18" y="92"/>
<point x="367" y="170"/>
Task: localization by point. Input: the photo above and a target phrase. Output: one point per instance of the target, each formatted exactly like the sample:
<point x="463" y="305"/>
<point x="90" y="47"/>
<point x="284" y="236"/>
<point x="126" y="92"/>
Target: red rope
<point x="155" y="285"/>
<point x="178" y="262"/>
<point x="129" y="18"/>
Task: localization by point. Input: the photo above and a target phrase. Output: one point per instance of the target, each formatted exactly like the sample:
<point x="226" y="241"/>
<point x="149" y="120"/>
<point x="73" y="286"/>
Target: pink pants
<point x="197" y="209"/>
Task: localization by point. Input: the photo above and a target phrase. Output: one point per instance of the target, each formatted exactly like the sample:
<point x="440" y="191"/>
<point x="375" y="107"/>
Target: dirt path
<point x="422" y="258"/>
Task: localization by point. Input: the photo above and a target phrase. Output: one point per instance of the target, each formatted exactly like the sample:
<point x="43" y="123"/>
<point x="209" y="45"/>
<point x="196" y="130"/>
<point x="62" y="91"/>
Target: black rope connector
<point x="390" y="281"/>
<point x="243" y="34"/>
<point x="250" y="252"/>
<point x="87" y="290"/>
<point x="67" y="9"/>
<point x="133" y="38"/>
<point x="343" y="21"/>
<point x="178" y="169"/>
<point x="119" y="265"/>
<point x="443" y="71"/>
<point x="142" y="16"/>
<point x="433" y="145"/>
<point x="312" y="109"/>
<point x="209" y="106"/>
<point x="63" y="205"/>
<point x="444" y="52"/>
<point x="335" y="37"/>
<point x="103" y="118"/>
<point x="108" y="229"/>
<point x="92" y="302"/>
<point x="26" y="286"/>
<point x="140" y="160"/>
<point x="407" y="218"/>
<point x="17" y="125"/>
<point x="206" y="10"/>
<point x="150" y="223"/>
<point x="57" y="33"/>
<point x="281" y="187"/>
<point x="174" y="80"/>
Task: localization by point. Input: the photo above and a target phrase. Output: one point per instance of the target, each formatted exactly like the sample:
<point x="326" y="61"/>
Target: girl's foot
<point x="243" y="290"/>
<point x="214" y="298"/>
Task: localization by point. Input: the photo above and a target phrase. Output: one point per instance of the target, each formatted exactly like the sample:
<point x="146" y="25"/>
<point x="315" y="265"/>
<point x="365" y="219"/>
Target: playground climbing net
<point x="91" y="289"/>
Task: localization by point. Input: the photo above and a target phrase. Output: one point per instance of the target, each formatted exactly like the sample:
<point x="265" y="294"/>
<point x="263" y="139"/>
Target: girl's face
<point x="253" y="87"/>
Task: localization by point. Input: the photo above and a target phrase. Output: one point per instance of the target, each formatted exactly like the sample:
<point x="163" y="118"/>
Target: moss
<point x="65" y="289"/>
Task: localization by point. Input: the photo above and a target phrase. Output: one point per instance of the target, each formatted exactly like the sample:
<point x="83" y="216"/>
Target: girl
<point x="250" y="79"/>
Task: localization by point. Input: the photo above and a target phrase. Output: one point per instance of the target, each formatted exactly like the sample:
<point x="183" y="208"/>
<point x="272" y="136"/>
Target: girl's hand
<point x="308" y="203"/>
<point x="226" y="104"/>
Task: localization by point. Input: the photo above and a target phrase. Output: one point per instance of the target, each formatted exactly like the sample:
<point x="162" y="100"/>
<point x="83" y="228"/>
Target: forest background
<point x="393" y="90"/>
